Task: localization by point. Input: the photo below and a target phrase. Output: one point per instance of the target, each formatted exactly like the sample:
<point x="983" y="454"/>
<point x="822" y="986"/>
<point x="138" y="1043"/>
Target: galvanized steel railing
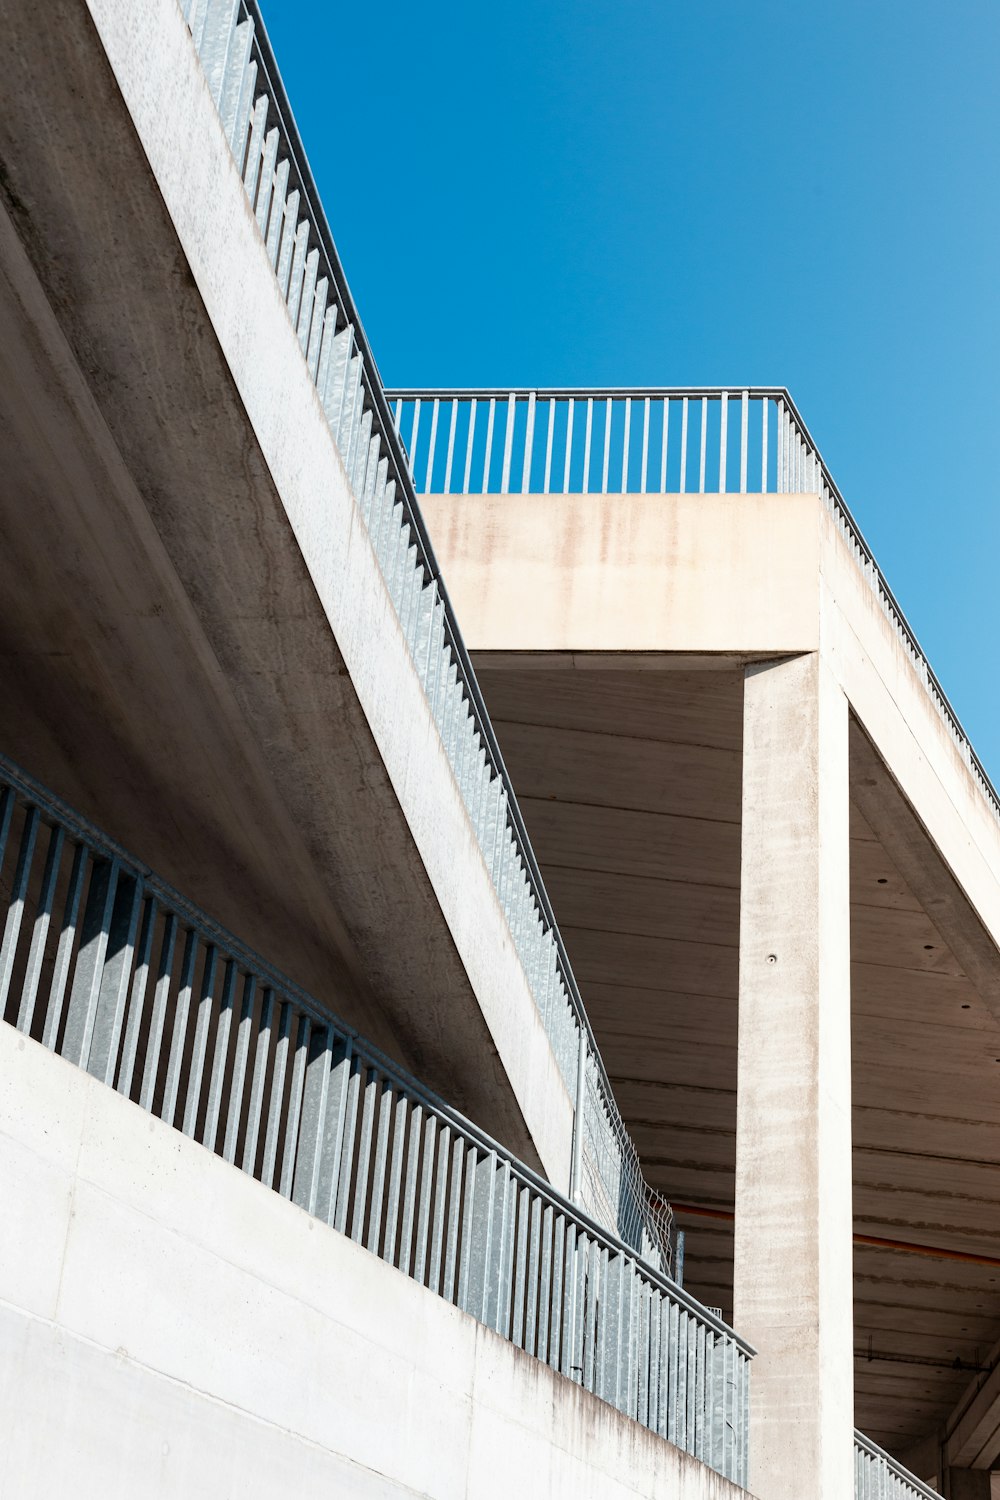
<point x="245" y="84"/>
<point x="663" y="440"/>
<point x="877" y="1476"/>
<point x="106" y="965"/>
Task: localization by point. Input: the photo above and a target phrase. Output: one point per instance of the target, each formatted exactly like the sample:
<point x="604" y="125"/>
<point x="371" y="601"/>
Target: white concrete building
<point x="347" y="1139"/>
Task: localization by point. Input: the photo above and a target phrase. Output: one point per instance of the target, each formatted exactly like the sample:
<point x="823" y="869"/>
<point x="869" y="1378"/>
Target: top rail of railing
<point x="651" y="439"/>
<point x="240" y="69"/>
<point x="878" y="1476"/>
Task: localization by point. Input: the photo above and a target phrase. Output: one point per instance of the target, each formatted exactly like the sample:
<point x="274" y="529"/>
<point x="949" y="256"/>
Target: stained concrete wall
<point x="169" y="1327"/>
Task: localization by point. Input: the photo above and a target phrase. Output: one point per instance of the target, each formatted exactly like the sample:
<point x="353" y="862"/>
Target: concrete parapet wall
<point x="170" y="1327"/>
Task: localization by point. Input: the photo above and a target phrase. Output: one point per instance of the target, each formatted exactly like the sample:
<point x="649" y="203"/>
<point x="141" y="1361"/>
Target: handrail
<point x="239" y="65"/>
<point x="787" y="457"/>
<point x="110" y="967"/>
<point x="878" y="1476"/>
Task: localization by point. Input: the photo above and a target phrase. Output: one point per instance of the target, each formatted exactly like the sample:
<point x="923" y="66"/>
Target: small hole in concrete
<point x="966" y="1007"/>
<point x="928" y="947"/>
<point x="772" y="958"/>
<point x="882" y="880"/>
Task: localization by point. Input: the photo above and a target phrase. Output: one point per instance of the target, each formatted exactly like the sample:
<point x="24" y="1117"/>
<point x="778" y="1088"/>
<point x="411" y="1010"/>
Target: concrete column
<point x="793" y="1293"/>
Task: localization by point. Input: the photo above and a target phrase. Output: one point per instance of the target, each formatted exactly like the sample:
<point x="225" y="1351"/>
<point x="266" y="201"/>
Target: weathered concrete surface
<point x="793" y="1277"/>
<point x="197" y="648"/>
<point x="170" y="1327"/>
<point x="630" y="572"/>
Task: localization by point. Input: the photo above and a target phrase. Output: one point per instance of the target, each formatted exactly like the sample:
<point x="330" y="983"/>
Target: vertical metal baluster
<point x="673" y="1372"/>
<point x="588" y="432"/>
<point x="645" y="445"/>
<point x="765" y="404"/>
<point x="545" y="1284"/>
<point x="414" y="432"/>
<point x="664" y="444"/>
<point x="684" y="445"/>
<point x="364" y="1156"/>
<point x="744" y="438"/>
<point x="378" y="1170"/>
<point x="568" y="456"/>
<point x="508" y="443"/>
<point x="602" y="1321"/>
<point x="449" y="1288"/>
<point x="176" y="1057"/>
<point x="295" y="1096"/>
<point x="558" y="1260"/>
<point x="663" y="1367"/>
<point x="237" y="1083"/>
<point x="426" y="1188"/>
<point x="199" y="1051"/>
<point x="315" y="1101"/>
<point x="468" y="1235"/>
<point x="568" y="1362"/>
<point x="606" y="456"/>
<point x="432" y="444"/>
<point x="137" y="1000"/>
<point x="341" y="1096"/>
<point x="693" y="1390"/>
<point x="40" y="930"/>
<point x="520" y="1265"/>
<point x="440" y="1197"/>
<point x="505" y="1251"/>
<point x="704" y="445"/>
<point x="276" y="1095"/>
<point x="15" y="909"/>
<point x="529" y="438"/>
<point x="400" y="1115"/>
<point x="489" y="445"/>
<point x="549" y="435"/>
<point x="157" y="1021"/>
<point x="410" y="1189"/>
<point x="723" y="442"/>
<point x="342" y="1167"/>
<point x="222" y="1028"/>
<point x="86" y="988"/>
<point x="626" y="439"/>
<point x="255" y="1107"/>
<point x="450" y="457"/>
<point x="109" y="1017"/>
<point x="469" y="440"/>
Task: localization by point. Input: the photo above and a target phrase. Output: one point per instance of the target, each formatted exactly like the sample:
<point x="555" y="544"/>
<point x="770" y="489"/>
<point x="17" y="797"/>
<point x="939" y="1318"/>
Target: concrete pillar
<point x="793" y="1293"/>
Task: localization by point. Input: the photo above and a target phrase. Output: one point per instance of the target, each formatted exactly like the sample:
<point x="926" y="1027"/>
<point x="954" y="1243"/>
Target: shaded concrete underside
<point x="630" y="783"/>
<point x="166" y="664"/>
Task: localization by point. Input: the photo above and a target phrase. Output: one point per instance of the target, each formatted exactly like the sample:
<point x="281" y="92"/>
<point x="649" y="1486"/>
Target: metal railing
<point x="877" y="1475"/>
<point x="244" y="81"/>
<point x="109" y="967"/>
<point x="672" y="440"/>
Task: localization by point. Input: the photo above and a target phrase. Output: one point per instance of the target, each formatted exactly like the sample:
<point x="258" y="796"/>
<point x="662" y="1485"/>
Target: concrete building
<point x="499" y="955"/>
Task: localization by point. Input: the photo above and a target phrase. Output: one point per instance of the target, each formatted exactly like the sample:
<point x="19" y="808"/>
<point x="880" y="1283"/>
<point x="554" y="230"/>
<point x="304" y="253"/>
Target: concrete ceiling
<point x="630" y="785"/>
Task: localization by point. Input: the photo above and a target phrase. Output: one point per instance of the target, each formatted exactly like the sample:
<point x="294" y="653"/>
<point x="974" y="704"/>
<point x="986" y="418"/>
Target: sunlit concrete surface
<point x="175" y="1328"/>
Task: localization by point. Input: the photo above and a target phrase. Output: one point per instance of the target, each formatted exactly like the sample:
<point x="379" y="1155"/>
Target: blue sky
<point x="649" y="192"/>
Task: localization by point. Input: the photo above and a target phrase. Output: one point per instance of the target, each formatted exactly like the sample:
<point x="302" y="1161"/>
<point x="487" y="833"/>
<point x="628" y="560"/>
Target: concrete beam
<point x="636" y="573"/>
<point x="793" y="1252"/>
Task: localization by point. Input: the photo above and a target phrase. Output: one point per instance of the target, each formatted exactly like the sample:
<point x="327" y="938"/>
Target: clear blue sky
<point x="571" y="192"/>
